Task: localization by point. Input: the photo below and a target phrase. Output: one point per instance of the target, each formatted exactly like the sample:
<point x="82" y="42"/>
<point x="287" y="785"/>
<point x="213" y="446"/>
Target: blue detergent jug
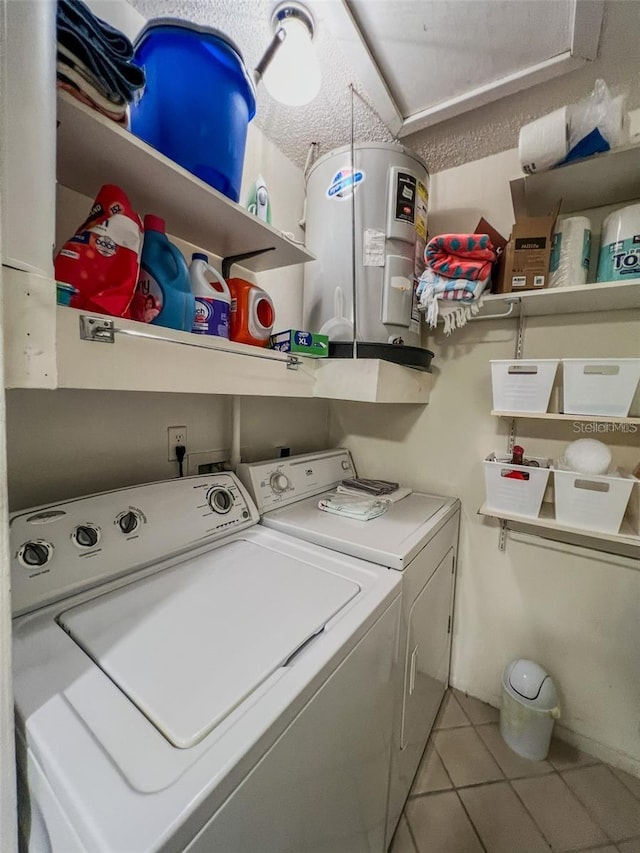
<point x="163" y="293"/>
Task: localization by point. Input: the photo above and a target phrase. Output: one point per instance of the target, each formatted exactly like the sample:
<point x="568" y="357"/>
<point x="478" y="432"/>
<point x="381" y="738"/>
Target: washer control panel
<point x="278" y="482"/>
<point x="63" y="548"/>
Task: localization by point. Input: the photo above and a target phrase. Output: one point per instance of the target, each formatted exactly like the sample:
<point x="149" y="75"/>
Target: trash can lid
<point x="529" y="680"/>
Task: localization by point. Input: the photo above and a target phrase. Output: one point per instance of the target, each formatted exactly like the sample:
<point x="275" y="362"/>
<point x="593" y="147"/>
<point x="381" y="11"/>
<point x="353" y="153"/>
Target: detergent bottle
<point x="212" y="298"/>
<point x="163" y="294"/>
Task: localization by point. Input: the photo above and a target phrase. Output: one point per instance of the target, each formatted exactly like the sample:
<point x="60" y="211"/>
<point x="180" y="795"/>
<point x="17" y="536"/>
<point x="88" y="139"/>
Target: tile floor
<point x="473" y="794"/>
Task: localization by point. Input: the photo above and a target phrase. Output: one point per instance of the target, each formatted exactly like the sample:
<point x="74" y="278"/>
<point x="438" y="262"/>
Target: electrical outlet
<point x="177" y="435"/>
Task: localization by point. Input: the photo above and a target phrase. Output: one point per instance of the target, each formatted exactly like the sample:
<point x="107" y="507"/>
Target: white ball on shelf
<point x="587" y="456"/>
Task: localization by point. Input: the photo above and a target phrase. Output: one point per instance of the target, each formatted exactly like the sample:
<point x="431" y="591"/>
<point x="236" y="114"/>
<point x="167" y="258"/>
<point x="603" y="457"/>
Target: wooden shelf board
<point x="611" y="178"/>
<point x="93" y="150"/>
<point x="626" y="542"/>
<point x="43" y="349"/>
<point x="557" y="416"/>
<point x="600" y="296"/>
<point x="371" y="380"/>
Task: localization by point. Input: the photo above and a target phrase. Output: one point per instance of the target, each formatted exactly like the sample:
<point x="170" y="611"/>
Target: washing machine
<point x="417" y="539"/>
<point x="188" y="680"/>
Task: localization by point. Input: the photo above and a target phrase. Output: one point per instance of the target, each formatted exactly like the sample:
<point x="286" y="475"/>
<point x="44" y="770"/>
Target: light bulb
<point x="293" y="76"/>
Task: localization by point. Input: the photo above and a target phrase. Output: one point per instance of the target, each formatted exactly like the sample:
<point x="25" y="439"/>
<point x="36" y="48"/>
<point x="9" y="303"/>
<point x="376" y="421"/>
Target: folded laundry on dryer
<point x="372" y="487"/>
<point x="359" y="508"/>
<point x="392" y="497"/>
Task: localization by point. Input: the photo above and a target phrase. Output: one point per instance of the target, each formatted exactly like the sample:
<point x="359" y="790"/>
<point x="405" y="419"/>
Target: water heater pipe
<point x="235" y="432"/>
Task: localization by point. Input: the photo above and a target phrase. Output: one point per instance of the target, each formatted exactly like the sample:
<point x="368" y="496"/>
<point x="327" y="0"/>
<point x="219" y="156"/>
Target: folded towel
<point x="68" y="75"/>
<point x="436" y="291"/>
<point x="64" y="57"/>
<point x="121" y="118"/>
<point x="358" y="508"/>
<point x="392" y="497"/>
<point x="103" y="50"/>
<point x="466" y="256"/>
<point x="371" y="487"/>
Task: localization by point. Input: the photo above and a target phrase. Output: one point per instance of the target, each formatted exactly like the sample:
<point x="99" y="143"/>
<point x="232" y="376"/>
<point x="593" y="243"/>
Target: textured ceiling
<point x="327" y="120"/>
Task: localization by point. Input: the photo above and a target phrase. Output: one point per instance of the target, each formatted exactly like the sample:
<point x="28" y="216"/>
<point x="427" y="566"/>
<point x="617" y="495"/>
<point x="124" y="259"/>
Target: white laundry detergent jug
<point x="213" y="300"/>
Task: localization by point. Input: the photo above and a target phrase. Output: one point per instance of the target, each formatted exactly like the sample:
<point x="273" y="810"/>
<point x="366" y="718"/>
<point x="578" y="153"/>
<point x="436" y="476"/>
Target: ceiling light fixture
<point x="289" y="67"/>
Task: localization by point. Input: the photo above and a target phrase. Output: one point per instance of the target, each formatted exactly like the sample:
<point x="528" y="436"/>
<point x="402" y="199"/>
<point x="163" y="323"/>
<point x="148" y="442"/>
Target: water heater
<point x="379" y="195"/>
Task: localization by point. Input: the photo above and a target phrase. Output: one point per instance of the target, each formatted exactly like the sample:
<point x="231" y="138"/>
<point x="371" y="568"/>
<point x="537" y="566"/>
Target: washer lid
<point x="188" y="645"/>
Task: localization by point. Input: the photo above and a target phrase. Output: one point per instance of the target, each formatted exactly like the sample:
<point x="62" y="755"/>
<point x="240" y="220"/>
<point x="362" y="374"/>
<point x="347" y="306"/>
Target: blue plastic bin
<point x="198" y="101"/>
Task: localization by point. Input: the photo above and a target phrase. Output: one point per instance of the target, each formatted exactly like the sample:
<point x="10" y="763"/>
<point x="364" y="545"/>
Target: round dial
<point x="86" y="535"/>
<point x="128" y="521"/>
<point x="35" y="554"/>
<point x="345" y="465"/>
<point x="220" y="500"/>
<point x="279" y="482"/>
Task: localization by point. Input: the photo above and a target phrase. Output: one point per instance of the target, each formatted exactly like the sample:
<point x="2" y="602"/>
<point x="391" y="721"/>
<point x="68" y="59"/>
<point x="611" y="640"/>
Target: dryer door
<point x="427" y="658"/>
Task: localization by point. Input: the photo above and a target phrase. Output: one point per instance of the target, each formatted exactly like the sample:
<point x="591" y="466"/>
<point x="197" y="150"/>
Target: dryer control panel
<point x="63" y="548"/>
<point x="278" y="482"/>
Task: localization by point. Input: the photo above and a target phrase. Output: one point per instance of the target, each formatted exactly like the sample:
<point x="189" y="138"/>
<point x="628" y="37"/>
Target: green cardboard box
<point x="303" y="343"/>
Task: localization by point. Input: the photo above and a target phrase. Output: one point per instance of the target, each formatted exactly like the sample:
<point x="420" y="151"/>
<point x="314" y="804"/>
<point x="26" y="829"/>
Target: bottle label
<point x="149" y="299"/>
<point x="620" y="260"/>
<point x="212" y="317"/>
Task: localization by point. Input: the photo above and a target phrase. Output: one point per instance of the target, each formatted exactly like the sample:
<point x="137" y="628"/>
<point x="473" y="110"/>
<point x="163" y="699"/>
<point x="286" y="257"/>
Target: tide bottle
<point x="213" y="300"/>
<point x="163" y="294"/>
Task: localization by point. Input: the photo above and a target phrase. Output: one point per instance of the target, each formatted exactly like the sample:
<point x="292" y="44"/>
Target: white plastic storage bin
<point x="513" y="495"/>
<point x="522" y="385"/>
<point x="591" y="502"/>
<point x="603" y="386"/>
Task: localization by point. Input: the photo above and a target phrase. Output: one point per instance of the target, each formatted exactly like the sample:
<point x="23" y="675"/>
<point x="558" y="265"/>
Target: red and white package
<point x="102" y="259"/>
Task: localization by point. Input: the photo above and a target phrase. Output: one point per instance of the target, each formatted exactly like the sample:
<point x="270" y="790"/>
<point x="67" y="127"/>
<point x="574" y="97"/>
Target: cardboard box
<point x="527" y="255"/>
<point x="303" y="343"/>
<point x="499" y="244"/>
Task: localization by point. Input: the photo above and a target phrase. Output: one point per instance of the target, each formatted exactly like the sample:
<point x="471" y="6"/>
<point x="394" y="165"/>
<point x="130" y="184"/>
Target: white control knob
<point x="33" y="555"/>
<point x="279" y="482"/>
<point x="86" y="535"/>
<point x="128" y="521"/>
<point x="220" y="500"/>
<point x="345" y="465"/>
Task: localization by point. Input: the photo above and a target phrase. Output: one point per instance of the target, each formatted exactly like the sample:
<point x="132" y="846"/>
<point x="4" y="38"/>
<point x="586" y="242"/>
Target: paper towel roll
<point x="620" y="245"/>
<point x="544" y="142"/>
<point x="570" y="252"/>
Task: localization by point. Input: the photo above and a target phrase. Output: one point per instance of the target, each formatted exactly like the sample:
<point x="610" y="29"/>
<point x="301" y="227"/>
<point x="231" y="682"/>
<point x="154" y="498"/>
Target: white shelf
<point x="626" y="542"/>
<point x="93" y="150"/>
<point x="370" y="380"/>
<point x="557" y="416"/>
<point x="43" y="349"/>
<point x="601" y="296"/>
<point x="611" y="178"/>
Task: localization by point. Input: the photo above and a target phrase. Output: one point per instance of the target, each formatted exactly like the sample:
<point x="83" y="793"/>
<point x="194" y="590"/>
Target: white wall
<point x="575" y="612"/>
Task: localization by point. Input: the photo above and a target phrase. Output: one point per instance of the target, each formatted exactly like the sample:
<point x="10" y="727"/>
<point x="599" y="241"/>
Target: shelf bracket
<point x="502" y="541"/>
<point x="97" y="329"/>
<point x="293" y="363"/>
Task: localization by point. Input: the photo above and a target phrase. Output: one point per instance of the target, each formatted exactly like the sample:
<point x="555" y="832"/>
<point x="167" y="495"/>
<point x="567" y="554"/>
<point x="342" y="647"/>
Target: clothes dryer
<point x="417" y="538"/>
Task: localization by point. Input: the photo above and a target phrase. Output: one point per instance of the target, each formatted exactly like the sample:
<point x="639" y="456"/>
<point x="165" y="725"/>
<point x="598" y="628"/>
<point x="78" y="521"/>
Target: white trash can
<point x="529" y="708"/>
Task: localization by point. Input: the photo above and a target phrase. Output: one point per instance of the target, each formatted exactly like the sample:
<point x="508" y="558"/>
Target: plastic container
<point x="619" y="257"/>
<point x="198" y="101"/>
<point x="592" y="502"/>
<point x="213" y="300"/>
<point x="529" y="709"/>
<point x="604" y="386"/>
<point x="513" y="495"/>
<point x="64" y="293"/>
<point x="252" y="313"/>
<point x="522" y="386"/>
<point x="163" y="295"/>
